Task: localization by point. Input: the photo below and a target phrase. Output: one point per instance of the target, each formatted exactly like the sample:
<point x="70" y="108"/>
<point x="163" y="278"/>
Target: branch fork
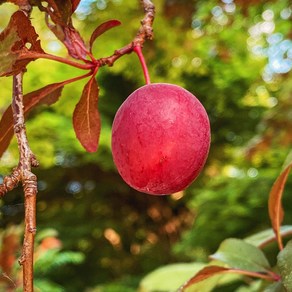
<point x="27" y="160"/>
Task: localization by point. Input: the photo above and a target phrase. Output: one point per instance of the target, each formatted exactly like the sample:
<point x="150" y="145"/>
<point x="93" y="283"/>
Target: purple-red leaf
<point x="60" y="23"/>
<point x="276" y="212"/>
<point x="101" y="29"/>
<point x="46" y="95"/>
<point x="19" y="37"/>
<point x="60" y="11"/>
<point x="211" y="271"/>
<point x="75" y="4"/>
<point x="74" y="43"/>
<point x="204" y="274"/>
<point x="86" y="119"/>
<point x="71" y="38"/>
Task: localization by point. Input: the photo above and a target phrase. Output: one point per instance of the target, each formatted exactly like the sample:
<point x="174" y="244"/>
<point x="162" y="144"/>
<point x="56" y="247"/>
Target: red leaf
<point x="74" y="43"/>
<point x="60" y="11"/>
<point x="276" y="212"/>
<point x="211" y="271"/>
<point x="101" y="29"/>
<point x="46" y="95"/>
<point x="18" y="37"/>
<point x="86" y="120"/>
<point x="75" y="4"/>
<point x="71" y="38"/>
<point x="205" y="273"/>
<point x="60" y="23"/>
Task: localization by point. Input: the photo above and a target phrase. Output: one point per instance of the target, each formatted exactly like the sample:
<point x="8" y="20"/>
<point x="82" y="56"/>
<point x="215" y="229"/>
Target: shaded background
<point x="94" y="232"/>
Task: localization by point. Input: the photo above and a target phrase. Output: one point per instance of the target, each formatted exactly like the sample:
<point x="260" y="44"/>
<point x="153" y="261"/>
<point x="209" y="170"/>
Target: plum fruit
<point x="160" y="139"/>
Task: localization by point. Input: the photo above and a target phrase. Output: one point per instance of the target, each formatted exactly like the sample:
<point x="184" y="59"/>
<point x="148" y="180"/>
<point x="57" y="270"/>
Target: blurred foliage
<point x="49" y="256"/>
<point x="234" y="56"/>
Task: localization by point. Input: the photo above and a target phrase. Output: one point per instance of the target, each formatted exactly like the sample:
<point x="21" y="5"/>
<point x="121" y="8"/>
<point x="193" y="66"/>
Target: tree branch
<point x="29" y="183"/>
<point x="145" y="32"/>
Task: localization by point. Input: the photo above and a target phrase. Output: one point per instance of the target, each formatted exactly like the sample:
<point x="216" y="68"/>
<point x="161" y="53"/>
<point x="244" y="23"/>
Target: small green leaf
<point x="241" y="255"/>
<point x="262" y="238"/>
<point x="284" y="263"/>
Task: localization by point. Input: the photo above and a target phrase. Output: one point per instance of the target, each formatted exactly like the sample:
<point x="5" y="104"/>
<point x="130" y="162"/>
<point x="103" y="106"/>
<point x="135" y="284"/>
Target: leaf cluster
<point x="243" y="257"/>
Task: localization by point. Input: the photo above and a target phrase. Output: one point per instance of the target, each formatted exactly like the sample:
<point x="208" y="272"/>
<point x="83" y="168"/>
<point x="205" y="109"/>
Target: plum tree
<point x="160" y="138"/>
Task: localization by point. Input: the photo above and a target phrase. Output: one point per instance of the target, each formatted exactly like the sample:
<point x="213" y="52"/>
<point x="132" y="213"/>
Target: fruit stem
<point x="138" y="50"/>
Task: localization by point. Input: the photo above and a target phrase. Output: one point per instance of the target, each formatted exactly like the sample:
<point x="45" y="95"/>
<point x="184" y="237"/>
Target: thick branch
<point x="28" y="179"/>
<point x="145" y="32"/>
<point x="29" y="183"/>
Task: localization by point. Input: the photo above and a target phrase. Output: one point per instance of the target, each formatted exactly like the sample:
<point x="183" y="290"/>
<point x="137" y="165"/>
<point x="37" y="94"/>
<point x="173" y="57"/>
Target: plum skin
<point x="160" y="139"/>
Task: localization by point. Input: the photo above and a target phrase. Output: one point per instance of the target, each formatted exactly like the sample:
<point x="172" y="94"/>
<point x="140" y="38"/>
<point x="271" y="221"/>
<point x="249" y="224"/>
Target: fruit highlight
<point x="160" y="139"/>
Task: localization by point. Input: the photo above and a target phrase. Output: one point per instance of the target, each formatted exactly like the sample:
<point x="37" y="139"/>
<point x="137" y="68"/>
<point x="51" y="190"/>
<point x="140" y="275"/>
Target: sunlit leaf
<point x="102" y="28"/>
<point x="276" y="212"/>
<point x="262" y="238"/>
<point x="284" y="263"/>
<point x="241" y="255"/>
<point x="19" y="37"/>
<point x="86" y="120"/>
<point x="46" y="95"/>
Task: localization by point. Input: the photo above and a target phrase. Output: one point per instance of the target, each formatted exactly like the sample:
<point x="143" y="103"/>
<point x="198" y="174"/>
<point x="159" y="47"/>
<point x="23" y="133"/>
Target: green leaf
<point x="262" y="238"/>
<point x="241" y="255"/>
<point x="284" y="263"/>
<point x="276" y="212"/>
<point x="276" y="287"/>
<point x="170" y="277"/>
<point x="86" y="119"/>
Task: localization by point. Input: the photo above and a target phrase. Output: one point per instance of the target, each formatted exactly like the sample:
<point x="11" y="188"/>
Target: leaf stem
<point x="88" y="66"/>
<point x="78" y="78"/>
